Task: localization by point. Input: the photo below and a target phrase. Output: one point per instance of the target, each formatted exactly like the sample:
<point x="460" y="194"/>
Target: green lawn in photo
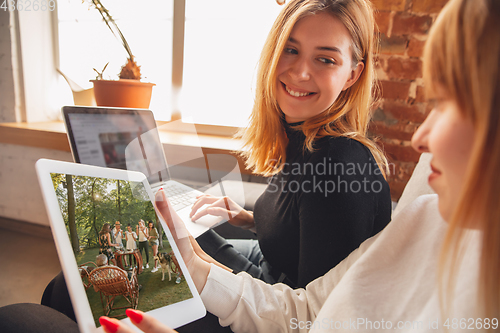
<point x="154" y="292"/>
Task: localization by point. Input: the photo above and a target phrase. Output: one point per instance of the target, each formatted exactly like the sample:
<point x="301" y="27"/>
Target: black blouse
<point x="320" y="207"/>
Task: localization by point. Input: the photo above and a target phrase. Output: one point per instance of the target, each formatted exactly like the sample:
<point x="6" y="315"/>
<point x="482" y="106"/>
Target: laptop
<point x="128" y="139"/>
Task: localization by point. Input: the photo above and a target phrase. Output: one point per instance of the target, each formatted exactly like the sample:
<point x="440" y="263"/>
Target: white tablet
<point x="80" y="200"/>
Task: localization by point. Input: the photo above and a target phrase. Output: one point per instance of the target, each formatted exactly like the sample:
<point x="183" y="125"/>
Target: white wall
<point x="7" y="92"/>
<point x="20" y="194"/>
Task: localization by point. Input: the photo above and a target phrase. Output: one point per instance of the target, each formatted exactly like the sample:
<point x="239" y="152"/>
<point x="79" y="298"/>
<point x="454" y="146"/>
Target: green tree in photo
<point x="88" y="202"/>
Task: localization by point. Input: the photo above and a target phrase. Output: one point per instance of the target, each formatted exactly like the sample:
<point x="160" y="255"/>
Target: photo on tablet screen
<point x="111" y="225"/>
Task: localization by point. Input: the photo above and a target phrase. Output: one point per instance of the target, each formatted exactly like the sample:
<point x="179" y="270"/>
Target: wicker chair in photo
<point x="112" y="281"/>
<point x="85" y="269"/>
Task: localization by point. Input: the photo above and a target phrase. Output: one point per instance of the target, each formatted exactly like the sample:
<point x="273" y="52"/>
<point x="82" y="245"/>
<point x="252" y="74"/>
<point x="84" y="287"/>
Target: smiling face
<point x="449" y="136"/>
<point x="315" y="67"/>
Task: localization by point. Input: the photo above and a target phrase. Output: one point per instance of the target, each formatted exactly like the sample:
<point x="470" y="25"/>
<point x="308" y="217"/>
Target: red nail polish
<point x="109" y="325"/>
<point x="135" y="316"/>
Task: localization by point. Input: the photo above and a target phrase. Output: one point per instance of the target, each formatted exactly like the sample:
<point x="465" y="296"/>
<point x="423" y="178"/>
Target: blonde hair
<point x="349" y="116"/>
<point x="462" y="55"/>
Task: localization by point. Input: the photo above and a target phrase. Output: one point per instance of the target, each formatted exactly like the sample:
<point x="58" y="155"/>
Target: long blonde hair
<point x="348" y="116"/>
<point x="462" y="55"/>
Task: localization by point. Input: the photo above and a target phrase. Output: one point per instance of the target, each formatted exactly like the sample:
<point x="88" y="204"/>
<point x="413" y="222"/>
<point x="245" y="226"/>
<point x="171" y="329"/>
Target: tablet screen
<point x="120" y="261"/>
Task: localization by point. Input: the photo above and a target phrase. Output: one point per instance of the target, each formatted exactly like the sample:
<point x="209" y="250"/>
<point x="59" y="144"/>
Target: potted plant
<point x="128" y="91"/>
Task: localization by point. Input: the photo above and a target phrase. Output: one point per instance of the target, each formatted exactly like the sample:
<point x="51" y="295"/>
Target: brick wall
<point x="403" y="28"/>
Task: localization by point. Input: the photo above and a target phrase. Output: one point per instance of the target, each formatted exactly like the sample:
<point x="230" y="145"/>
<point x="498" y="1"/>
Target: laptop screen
<point x="116" y="138"/>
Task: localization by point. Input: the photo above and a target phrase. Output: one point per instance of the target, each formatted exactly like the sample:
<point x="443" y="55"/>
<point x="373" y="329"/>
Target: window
<point x="221" y="45"/>
<point x="85" y="43"/>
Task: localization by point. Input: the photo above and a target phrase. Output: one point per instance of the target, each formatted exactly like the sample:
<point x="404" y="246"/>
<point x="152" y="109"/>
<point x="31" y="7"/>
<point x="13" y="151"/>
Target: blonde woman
<point x="327" y="191"/>
<point x="421" y="273"/>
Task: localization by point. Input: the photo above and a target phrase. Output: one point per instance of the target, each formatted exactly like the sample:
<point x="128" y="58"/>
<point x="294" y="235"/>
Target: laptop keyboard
<point x="180" y="197"/>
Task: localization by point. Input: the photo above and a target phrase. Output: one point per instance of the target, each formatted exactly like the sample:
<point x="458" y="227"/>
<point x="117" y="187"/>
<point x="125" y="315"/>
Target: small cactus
<point x="130" y="70"/>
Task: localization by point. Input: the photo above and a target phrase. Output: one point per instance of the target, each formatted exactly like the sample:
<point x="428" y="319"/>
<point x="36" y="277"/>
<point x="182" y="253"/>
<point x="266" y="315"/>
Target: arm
<point x="245" y="303"/>
<point x="250" y="305"/>
<point x="232" y="297"/>
<point x="109" y="240"/>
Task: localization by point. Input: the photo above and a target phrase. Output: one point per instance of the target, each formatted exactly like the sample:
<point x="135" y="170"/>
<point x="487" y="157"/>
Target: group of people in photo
<point x="141" y="237"/>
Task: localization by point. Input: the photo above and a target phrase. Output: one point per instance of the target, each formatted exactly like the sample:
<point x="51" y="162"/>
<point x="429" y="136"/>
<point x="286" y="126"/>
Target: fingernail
<point x="160" y="196"/>
<point x="135" y="316"/>
<point x="109" y="325"/>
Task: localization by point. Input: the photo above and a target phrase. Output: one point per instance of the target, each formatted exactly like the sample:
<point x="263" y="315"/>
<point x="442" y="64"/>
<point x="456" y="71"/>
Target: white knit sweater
<point x="388" y="284"/>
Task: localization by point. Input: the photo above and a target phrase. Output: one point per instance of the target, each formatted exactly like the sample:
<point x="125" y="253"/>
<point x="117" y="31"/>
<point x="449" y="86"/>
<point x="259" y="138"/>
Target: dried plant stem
<point x="110" y="22"/>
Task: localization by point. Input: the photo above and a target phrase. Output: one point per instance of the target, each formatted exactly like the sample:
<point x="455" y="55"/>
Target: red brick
<point x="404" y="112"/>
<point x="390" y="5"/>
<point x="394" y="89"/>
<point x="428" y="6"/>
<point x="383" y="20"/>
<point x="400" y="153"/>
<point x="398" y="131"/>
<point x="406" y="69"/>
<point x="380" y="115"/>
<point x="420" y="98"/>
<point x="415" y="48"/>
<point x="396" y="188"/>
<point x="401" y="171"/>
<point x="407" y="24"/>
<point x="393" y="45"/>
<point x="428" y="108"/>
<point x="379" y="62"/>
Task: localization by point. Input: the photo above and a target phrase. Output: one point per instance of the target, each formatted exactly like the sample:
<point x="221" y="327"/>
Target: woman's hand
<point x="143" y="321"/>
<point x="224" y="207"/>
<point x="197" y="261"/>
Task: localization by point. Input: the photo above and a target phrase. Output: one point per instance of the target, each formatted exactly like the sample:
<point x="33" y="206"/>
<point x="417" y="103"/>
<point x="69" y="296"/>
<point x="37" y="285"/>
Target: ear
<point x="354" y="76"/>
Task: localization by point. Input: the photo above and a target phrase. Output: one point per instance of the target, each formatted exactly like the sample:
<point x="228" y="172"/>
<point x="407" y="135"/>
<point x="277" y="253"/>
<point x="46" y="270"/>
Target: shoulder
<point x="341" y="149"/>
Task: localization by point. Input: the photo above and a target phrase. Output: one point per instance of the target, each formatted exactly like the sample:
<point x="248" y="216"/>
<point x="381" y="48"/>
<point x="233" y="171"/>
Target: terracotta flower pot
<point x="123" y="93"/>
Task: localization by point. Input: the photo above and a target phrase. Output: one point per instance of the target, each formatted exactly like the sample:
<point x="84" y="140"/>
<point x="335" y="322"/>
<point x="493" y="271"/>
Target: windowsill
<point x="52" y="135"/>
